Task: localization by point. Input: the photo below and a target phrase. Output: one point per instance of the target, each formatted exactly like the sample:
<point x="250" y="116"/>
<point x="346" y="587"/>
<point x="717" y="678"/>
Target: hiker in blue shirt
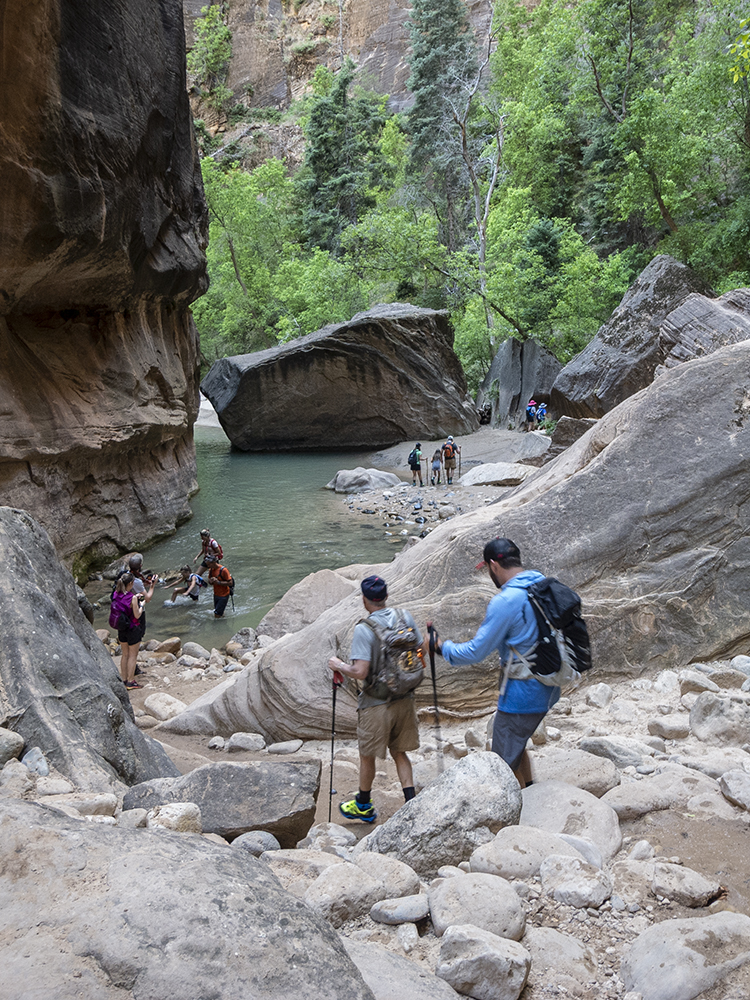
<point x="510" y="628"/>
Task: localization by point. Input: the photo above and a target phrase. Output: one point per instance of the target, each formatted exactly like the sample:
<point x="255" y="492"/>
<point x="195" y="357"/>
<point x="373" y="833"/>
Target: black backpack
<point x="412" y="459"/>
<point x="563" y="650"/>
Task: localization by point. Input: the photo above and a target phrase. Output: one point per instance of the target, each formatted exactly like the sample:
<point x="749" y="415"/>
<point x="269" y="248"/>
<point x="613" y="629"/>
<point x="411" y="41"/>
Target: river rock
<point x="741" y="663"/>
<point x="236" y="798"/>
<point x="101" y="256"/>
<point x="681" y="959"/>
<point x="497" y="474"/>
<point x="385" y="376"/>
<point x="559" y="955"/>
<point x="401" y="910"/>
<point x="11" y="745"/>
<point x="344" y="892"/>
<point x="683" y="885"/>
<point x="399" y="879"/>
<point x="178" y="817"/>
<point x="560" y="808"/>
<point x="324" y="836"/>
<point x="285" y="747"/>
<point x="450" y="818"/>
<point x="591" y="772"/>
<point x="735" y="786"/>
<point x="488" y="900"/>
<point x="360" y="480"/>
<point x="670" y="727"/>
<point x="624" y="354"/>
<point x="244" y="741"/>
<point x="518" y="852"/>
<point x="256" y="842"/>
<point x="147" y="876"/>
<point x="61" y="690"/>
<point x="478" y="963"/>
<point x="715" y="761"/>
<point x="728" y="678"/>
<point x="574" y="882"/>
<point x="718" y="720"/>
<point x="694" y="680"/>
<point x="393" y="977"/>
<point x="195" y="650"/>
<point x="599" y="695"/>
<point x="669" y="788"/>
<point x="163" y="706"/>
<point x="621" y="750"/>
<point x="519" y="370"/>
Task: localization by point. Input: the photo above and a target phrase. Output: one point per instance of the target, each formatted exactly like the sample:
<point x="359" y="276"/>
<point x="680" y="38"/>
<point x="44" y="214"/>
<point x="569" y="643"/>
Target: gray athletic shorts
<point x="510" y="733"/>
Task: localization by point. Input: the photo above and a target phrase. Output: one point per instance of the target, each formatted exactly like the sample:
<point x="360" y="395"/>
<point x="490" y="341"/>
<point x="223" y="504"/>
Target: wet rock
<point x="518" y="852"/>
<point x="11" y="745"/>
<point x="561" y="808"/>
<point x="681" y="959"/>
<point x="457" y="813"/>
<point x="574" y="882"/>
<point x="360" y="480"/>
<point x="488" y="900"/>
<point x="163" y="706"/>
<point x="393" y="977"/>
<point x="480" y="964"/>
<point x="405" y="347"/>
<point x="236" y="798"/>
<point x="735" y="786"/>
<point x="401" y="910"/>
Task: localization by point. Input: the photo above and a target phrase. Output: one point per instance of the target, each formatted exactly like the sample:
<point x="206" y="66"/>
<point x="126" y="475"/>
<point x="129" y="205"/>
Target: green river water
<point x="275" y="523"/>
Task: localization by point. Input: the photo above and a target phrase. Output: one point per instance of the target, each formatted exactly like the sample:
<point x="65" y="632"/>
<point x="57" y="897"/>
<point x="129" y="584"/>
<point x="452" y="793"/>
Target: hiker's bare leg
<point x="366" y="773"/>
<point x="403" y="769"/>
<point x="523" y="771"/>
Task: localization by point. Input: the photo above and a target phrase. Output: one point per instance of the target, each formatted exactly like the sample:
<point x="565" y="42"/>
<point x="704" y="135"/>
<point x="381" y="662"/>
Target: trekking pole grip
<point x="338" y="678"/>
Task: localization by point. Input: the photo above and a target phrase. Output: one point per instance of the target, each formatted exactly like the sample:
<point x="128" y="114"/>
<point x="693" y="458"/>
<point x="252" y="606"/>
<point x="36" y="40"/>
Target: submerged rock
<point x="385" y="376"/>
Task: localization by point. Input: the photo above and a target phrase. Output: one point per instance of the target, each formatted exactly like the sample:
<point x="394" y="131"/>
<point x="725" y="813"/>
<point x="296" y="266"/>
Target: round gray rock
<point x="488" y="901"/>
<point x="478" y="964"/>
<point x="256" y="842"/>
<point x="561" y="808"/>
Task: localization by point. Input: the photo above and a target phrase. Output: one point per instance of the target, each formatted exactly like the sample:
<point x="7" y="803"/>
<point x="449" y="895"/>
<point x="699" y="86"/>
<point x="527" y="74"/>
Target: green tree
<point x="208" y="60"/>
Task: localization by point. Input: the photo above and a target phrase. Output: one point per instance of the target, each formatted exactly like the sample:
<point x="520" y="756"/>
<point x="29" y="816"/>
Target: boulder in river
<point x="360" y="480"/>
<point x="622" y="357"/>
<point x="59" y="689"/>
<point x="385" y="376"/>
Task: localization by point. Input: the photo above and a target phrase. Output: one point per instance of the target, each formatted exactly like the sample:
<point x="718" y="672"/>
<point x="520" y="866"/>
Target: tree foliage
<point x="208" y="60"/>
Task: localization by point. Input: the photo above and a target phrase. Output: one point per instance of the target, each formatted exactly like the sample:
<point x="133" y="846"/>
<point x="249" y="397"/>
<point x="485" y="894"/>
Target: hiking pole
<point x="338" y="680"/>
<point x="439" y="736"/>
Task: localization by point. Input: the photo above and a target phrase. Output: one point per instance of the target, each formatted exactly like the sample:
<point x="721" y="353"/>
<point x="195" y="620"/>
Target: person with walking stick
<point x="387" y="655"/>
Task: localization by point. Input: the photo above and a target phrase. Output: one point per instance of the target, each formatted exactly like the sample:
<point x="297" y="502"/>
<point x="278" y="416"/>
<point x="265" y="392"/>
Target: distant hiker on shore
<point x="509" y="627"/>
<point x="387" y="656"/>
<point x="531" y="415"/>
<point x="192" y="584"/>
<point x="450" y="450"/>
<point x="541" y="414"/>
<point x="126" y="615"/>
<point x="221" y="580"/>
<point x="211" y="552"/>
<point x="437" y="464"/>
<point x="415" y="464"/>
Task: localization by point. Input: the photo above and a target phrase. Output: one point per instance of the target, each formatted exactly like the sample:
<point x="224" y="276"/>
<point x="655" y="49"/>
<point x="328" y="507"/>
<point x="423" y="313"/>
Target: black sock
<point x="363" y="798"/>
<point x="409" y="793"/>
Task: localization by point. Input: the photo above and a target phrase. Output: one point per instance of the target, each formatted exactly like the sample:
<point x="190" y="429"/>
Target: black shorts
<point x="510" y="733"/>
<point x="133" y="635"/>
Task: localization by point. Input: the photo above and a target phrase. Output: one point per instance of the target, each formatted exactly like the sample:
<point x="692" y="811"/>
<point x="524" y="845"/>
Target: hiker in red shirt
<point x="221" y="580"/>
<point x="211" y="552"/>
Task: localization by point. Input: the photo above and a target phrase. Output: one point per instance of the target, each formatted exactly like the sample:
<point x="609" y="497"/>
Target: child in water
<point x="192" y="584"/>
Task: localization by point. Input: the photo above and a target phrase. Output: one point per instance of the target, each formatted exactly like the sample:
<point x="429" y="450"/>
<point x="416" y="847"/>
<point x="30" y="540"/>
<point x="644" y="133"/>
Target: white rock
<point x="216" y="743"/>
<point x="344" y="892"/>
<point x="480" y="964"/>
<point x="683" y="885"/>
<point x="286" y="747"/>
<point x="558" y="954"/>
<point x="681" y="959"/>
<point x="720" y="720"/>
<point x="599" y="695"/>
<point x="180" y="817"/>
<point x="323" y="836"/>
<point x="487" y="900"/>
<point x="574" y="882"/>
<point x="244" y="741"/>
<point x="593" y="773"/>
<point x="133" y="819"/>
<point x="87" y="803"/>
<point x="518" y="852"/>
<point x="670" y="727"/>
<point x="741" y="663"/>
<point x="391" y="976"/>
<point x="561" y="808"/>
<point x="297" y="870"/>
<point x="623" y="712"/>
<point x="401" y="910"/>
<point x="641" y="851"/>
<point x="407" y="936"/>
<point x="715" y="761"/>
<point x="195" y="650"/>
<point x="735" y="786"/>
<point x="667" y="789"/>
<point x="693" y="680"/>
<point x="623" y="751"/>
<point x="585" y="847"/>
<point x="398" y="878"/>
<point x="163" y="706"/>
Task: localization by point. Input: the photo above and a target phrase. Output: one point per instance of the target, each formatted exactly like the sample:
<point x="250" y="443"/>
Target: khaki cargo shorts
<point x="392" y="726"/>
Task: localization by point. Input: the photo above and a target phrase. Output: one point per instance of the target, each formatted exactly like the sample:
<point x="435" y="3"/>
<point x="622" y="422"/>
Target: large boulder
<point x="519" y="371"/>
<point x="622" y="357"/>
<point x="635" y="516"/>
<point x="385" y="376"/>
<point x="153" y="915"/>
<point x="700" y="326"/>
<point x="303" y="603"/>
<point x="360" y="480"/>
<point x="277" y="797"/>
<point x="464" y="808"/>
<point x="102" y="231"/>
<point x="59" y="689"/>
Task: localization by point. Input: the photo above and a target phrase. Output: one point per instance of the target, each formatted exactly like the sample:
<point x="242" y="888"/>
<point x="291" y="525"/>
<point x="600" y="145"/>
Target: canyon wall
<point x="102" y="237"/>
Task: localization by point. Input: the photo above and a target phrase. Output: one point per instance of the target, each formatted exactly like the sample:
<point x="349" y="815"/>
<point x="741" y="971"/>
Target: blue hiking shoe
<point x="353" y="810"/>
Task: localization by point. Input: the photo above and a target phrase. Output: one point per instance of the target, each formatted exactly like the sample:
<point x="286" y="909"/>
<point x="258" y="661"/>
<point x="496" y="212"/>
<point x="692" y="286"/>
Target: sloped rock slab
<point x="233" y="799"/>
<point x="385" y="376"/>
<point x="146" y="914"/>
<point x="700" y="326"/>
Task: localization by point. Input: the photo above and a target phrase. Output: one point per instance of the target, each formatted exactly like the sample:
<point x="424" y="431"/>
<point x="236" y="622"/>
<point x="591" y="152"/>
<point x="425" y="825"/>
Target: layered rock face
<point x="102" y="228"/>
<point x="623" y="356"/>
<point x="276" y="46"/>
<point x="59" y="689"/>
<point x="385" y="376"/>
<point x="519" y="371"/>
<point x="645" y="516"/>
